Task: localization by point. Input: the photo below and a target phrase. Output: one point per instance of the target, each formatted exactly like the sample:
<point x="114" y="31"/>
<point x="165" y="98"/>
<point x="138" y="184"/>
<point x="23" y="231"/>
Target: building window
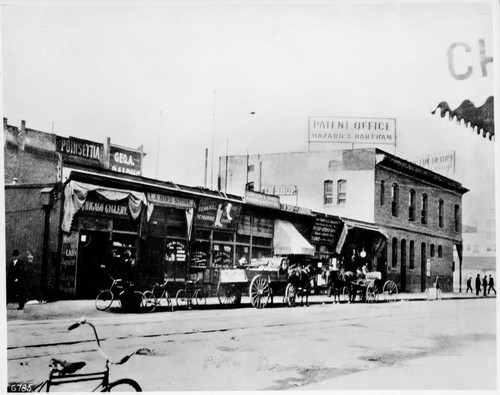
<point x="395" y="200"/>
<point x="440" y="251"/>
<point x="441" y="213"/>
<point x="403" y="254"/>
<point x="457" y="218"/>
<point x="394" y="262"/>
<point x="424" y="209"/>
<point x="328" y="192"/>
<point x="411" y="205"/>
<point x="341" y="191"/>
<point x="433" y="251"/>
<point x="382" y="192"/>
<point x="412" y="254"/>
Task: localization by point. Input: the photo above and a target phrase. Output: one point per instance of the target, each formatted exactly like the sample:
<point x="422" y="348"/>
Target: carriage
<point x="367" y="287"/>
<point x="263" y="279"/>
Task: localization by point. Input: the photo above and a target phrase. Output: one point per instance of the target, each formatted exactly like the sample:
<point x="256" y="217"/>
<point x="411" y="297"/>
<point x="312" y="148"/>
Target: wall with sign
<point x="69" y="254"/>
<point x="124" y="160"/>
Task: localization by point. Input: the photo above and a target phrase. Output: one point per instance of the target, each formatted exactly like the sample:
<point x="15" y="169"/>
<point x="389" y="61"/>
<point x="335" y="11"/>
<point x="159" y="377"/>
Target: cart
<point x="371" y="286"/>
<point x="263" y="278"/>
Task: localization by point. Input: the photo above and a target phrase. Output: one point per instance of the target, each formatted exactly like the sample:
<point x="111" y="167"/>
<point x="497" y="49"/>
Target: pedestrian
<point x="478" y="284"/>
<point x="491" y="285"/>
<point x="17" y="276"/>
<point x="485" y="285"/>
<point x="469" y="285"/>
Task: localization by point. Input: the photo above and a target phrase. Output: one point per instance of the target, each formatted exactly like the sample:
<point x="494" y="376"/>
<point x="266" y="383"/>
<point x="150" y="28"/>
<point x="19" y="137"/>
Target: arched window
<point x="433" y="251"/>
<point x="328" y="192"/>
<point x="394" y="262"/>
<point x="395" y="200"/>
<point x="440" y="251"/>
<point x="441" y="213"/>
<point x="341" y="191"/>
<point x="411" y="205"/>
<point x="424" y="209"/>
<point x="382" y="192"/>
<point x="403" y="254"/>
<point x="457" y="218"/>
<point x="412" y="254"/>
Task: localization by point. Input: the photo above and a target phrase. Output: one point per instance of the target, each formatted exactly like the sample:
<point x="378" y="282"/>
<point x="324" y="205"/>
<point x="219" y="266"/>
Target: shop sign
<point x="443" y="163"/>
<point x="170" y="201"/>
<point x="123" y="160"/>
<point x="81" y="148"/>
<point x="280" y="190"/>
<point x="295" y="209"/>
<point x="217" y="215"/>
<point x="199" y="258"/>
<point x="176" y="252"/>
<point x="111" y="209"/>
<point x="352" y="130"/>
<point x="69" y="252"/>
<point x="260" y="199"/>
<point x="223" y="258"/>
<point x="325" y="229"/>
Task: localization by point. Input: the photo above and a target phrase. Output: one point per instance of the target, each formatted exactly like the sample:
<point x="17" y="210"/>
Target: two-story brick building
<point x="400" y="218"/>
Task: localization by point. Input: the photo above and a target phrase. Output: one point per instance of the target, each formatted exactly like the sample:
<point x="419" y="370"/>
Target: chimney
<point x="21" y="137"/>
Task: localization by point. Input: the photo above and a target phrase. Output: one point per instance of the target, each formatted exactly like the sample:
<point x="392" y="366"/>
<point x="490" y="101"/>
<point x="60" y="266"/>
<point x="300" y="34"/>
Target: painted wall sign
<point x="260" y="199"/>
<point x="352" y="130"/>
<point x="280" y="190"/>
<point x="460" y="63"/>
<point x="170" y="201"/>
<point x="69" y="253"/>
<point x="81" y="148"/>
<point x="217" y="215"/>
<point x="123" y="160"/>
<point x="326" y="229"/>
<point x="443" y="163"/>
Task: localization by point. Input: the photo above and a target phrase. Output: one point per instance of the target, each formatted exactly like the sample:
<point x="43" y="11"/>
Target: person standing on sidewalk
<point x="491" y="285"/>
<point x="485" y="285"/>
<point x="17" y="276"/>
<point x="469" y="285"/>
<point x="478" y="284"/>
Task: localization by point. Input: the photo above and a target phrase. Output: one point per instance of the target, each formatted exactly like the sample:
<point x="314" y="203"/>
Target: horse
<point x="301" y="279"/>
<point x="338" y="280"/>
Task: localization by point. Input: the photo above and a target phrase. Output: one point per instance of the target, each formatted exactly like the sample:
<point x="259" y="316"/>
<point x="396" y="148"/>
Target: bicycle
<point x="151" y="301"/>
<point x="128" y="298"/>
<point x="63" y="372"/>
<point x="185" y="296"/>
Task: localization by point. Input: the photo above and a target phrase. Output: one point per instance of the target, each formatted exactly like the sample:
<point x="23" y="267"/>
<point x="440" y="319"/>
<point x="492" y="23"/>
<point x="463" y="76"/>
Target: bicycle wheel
<point x="180" y="298"/>
<point x="123" y="385"/>
<point x="103" y="300"/>
<point x="199" y="297"/>
<point x="148" y="301"/>
<point x="165" y="302"/>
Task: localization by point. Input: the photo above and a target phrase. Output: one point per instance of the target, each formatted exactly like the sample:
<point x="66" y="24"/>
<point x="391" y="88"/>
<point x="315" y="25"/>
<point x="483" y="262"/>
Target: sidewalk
<point x="74" y="309"/>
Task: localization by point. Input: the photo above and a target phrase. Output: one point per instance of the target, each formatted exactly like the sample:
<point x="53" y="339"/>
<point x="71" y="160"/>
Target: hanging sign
<point x="326" y="229"/>
<point x="69" y="252"/>
<point x="94" y="205"/>
<point x="261" y="199"/>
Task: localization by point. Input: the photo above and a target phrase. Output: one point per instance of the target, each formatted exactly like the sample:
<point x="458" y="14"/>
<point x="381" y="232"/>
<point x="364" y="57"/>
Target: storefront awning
<point x="348" y="225"/>
<point x="288" y="241"/>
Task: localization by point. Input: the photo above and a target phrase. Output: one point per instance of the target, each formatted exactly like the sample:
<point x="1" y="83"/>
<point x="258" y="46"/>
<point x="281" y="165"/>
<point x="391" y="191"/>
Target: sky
<point x="182" y="77"/>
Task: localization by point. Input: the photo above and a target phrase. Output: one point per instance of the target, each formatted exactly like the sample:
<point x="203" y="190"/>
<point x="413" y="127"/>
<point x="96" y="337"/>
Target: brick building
<point x="401" y="219"/>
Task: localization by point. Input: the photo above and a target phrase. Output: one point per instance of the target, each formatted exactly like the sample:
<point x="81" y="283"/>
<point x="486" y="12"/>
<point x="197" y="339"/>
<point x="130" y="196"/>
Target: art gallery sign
<point x="352" y="130"/>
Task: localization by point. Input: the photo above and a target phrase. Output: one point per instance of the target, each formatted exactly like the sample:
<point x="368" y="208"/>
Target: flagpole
<point x="213" y="138"/>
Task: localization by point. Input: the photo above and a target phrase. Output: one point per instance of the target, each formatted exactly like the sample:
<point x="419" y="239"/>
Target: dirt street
<point x="438" y="345"/>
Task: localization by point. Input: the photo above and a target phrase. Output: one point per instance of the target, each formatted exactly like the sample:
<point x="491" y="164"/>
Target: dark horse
<point x="337" y="281"/>
<point x="301" y="278"/>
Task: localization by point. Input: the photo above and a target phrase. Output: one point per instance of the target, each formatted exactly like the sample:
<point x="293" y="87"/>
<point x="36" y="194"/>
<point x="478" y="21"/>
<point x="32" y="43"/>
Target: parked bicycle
<point x="158" y="296"/>
<point x="120" y="290"/>
<point x="64" y="372"/>
<point x="185" y="296"/>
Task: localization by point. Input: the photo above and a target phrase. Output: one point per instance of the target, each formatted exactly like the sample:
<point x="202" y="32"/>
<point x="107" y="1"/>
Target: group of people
<point x="487" y="284"/>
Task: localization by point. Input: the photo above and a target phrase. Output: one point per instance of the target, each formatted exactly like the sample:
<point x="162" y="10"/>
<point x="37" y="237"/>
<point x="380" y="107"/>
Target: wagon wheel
<point x="371" y="292"/>
<point x="390" y="291"/>
<point x="290" y="295"/>
<point x="228" y="294"/>
<point x="344" y="294"/>
<point x="259" y="291"/>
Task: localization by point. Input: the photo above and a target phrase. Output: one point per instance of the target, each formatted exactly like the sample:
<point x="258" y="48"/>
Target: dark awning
<point x="348" y="225"/>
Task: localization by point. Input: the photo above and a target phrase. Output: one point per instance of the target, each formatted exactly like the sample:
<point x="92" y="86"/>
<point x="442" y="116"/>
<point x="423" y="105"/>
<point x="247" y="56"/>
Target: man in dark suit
<point x="17" y="276"/>
<point x="478" y="284"/>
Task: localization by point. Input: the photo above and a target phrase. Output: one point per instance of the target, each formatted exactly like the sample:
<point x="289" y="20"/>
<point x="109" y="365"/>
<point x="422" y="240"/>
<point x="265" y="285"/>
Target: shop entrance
<point x="93" y="253"/>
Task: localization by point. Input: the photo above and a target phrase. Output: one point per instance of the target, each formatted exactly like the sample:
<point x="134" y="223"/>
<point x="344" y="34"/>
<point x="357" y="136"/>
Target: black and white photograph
<point x="249" y="195"/>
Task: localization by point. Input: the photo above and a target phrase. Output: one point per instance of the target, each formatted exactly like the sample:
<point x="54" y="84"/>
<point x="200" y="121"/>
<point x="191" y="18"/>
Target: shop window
<point x="258" y="252"/>
<point x="441" y="213"/>
<point x="125" y="225"/>
<point x="243" y="239"/>
<point x="395" y="200"/>
<point x="222" y="256"/>
<point x="440" y="251"/>
<point x="328" y="192"/>
<point x="261" y="241"/>
<point x="202" y="234"/>
<point x="224" y="236"/>
<point x="433" y="251"/>
<point x="424" y="209"/>
<point x="382" y="192"/>
<point x="394" y="262"/>
<point x="242" y="255"/>
<point x="457" y="218"/>
<point x="199" y="254"/>
<point x="412" y="254"/>
<point x="341" y="191"/>
<point x="411" y="205"/>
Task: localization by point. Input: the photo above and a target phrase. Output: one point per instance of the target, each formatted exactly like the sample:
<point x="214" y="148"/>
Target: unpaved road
<point x="439" y="345"/>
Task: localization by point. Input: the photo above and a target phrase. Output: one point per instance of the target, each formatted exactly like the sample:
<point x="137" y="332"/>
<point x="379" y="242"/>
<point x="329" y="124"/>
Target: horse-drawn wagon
<point x="263" y="279"/>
